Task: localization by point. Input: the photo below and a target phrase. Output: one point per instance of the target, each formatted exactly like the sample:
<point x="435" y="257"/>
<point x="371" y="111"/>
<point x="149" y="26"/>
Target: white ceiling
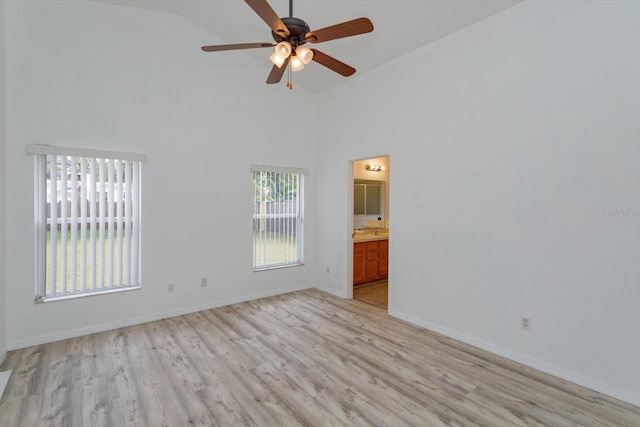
<point x="400" y="26"/>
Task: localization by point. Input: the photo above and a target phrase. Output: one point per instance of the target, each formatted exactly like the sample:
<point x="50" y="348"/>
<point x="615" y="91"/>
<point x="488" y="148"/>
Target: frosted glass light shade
<point x="305" y="54"/>
<point x="283" y="49"/>
<point x="296" y="64"/>
<point x="277" y="59"/>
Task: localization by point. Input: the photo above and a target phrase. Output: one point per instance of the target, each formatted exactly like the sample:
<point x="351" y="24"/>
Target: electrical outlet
<point x="525" y="323"/>
<point x="204" y="282"/>
<point x="170" y="287"/>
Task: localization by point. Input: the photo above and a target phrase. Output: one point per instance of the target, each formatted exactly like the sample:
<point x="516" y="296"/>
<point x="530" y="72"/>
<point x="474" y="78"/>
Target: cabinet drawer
<point x="372" y="246"/>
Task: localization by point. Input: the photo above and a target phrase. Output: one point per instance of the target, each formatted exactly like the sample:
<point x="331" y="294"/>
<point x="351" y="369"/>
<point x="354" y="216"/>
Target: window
<point x="88" y="221"/>
<point x="277" y="217"/>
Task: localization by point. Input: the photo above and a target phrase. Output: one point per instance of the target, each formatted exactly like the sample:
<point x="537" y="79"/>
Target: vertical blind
<point x="277" y="217"/>
<point x="88" y="219"/>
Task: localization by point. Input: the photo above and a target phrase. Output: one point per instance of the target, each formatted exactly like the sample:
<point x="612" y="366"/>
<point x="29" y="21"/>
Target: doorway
<point x="370" y="230"/>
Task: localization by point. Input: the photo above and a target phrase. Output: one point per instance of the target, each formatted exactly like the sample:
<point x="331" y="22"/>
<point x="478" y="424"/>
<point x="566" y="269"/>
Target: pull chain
<point x="289" y="84"/>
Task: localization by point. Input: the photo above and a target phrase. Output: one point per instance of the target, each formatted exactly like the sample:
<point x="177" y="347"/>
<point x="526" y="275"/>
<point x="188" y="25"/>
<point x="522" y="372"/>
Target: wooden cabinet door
<point x="359" y="263"/>
<point x="372" y="261"/>
<point x="383" y="259"/>
<point x="372" y="270"/>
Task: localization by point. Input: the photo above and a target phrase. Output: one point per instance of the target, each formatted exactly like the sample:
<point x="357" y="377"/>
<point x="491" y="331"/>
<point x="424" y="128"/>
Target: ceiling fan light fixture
<point x="277" y="59"/>
<point x="305" y="54"/>
<point x="296" y="63"/>
<point x="290" y="34"/>
<point x="283" y="49"/>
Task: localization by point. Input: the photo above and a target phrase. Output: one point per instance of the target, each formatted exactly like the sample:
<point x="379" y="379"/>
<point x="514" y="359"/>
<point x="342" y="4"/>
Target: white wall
<point x="3" y="337"/>
<point x="86" y="74"/>
<point x="519" y="137"/>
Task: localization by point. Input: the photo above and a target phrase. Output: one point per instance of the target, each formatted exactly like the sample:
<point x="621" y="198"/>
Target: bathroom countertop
<point x="370" y="237"/>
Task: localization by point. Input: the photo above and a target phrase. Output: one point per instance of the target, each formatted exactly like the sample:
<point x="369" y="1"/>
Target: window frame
<point x="42" y="219"/>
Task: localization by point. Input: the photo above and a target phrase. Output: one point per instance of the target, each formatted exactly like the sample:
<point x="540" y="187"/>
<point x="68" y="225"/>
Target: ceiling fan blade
<point x="276" y="73"/>
<point x="332" y="63"/>
<point x="338" y="31"/>
<point x="262" y="8"/>
<point x="217" y="48"/>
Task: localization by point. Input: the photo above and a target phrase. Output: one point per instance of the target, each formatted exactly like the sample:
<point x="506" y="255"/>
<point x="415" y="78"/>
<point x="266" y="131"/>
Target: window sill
<point x="40" y="300"/>
<point x="277" y="267"/>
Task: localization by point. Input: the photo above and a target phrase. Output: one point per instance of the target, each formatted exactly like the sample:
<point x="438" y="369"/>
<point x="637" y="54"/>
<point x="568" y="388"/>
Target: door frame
<point x="349" y="245"/>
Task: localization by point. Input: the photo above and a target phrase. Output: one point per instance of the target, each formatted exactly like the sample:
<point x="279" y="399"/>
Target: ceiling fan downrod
<point x="290" y="8"/>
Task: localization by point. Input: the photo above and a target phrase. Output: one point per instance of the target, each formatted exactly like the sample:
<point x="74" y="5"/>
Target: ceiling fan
<point x="291" y="34"/>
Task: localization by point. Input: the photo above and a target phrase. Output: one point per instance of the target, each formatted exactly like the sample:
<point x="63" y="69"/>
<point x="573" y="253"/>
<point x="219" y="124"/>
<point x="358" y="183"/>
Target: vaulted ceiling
<point x="400" y="26"/>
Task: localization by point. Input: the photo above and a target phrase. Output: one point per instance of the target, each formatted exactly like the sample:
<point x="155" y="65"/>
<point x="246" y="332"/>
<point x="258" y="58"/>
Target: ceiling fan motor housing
<point x="297" y="31"/>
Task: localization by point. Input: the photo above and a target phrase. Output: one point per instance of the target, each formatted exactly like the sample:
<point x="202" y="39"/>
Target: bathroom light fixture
<point x="374" y="168"/>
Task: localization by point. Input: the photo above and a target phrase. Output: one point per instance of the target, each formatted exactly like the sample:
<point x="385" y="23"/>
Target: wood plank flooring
<point x="304" y="358"/>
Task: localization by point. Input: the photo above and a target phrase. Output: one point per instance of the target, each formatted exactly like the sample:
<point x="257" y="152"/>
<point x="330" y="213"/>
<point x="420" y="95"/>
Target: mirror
<point x="366" y="197"/>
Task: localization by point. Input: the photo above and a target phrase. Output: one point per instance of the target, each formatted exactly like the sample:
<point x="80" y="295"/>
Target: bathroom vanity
<point x="370" y="259"/>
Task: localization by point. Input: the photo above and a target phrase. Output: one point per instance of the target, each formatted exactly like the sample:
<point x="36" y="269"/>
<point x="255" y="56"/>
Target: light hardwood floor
<point x="304" y="358"/>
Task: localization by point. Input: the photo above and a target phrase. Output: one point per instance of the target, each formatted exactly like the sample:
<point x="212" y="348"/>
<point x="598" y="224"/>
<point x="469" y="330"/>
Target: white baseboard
<point x="540" y="365"/>
<point x="48" y="338"/>
<point x="336" y="292"/>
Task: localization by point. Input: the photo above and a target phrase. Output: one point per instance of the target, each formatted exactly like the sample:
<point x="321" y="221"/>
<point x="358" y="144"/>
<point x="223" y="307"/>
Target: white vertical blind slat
<point x="73" y="261"/>
<point x="259" y="206"/>
<point x="119" y="219"/>
<point x="256" y="221"/>
<point x="284" y="220"/>
<point x="93" y="224"/>
<point x="83" y="224"/>
<point x="290" y="223"/>
<point x="63" y="223"/>
<point x="299" y="219"/>
<point x="135" y="226"/>
<point x="42" y="218"/>
<point x="53" y="223"/>
<point x="127" y="222"/>
<point x="261" y="221"/>
<point x="111" y="224"/>
<point x="276" y="231"/>
<point x="101" y="212"/>
<point x="265" y="222"/>
<point x="294" y="219"/>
